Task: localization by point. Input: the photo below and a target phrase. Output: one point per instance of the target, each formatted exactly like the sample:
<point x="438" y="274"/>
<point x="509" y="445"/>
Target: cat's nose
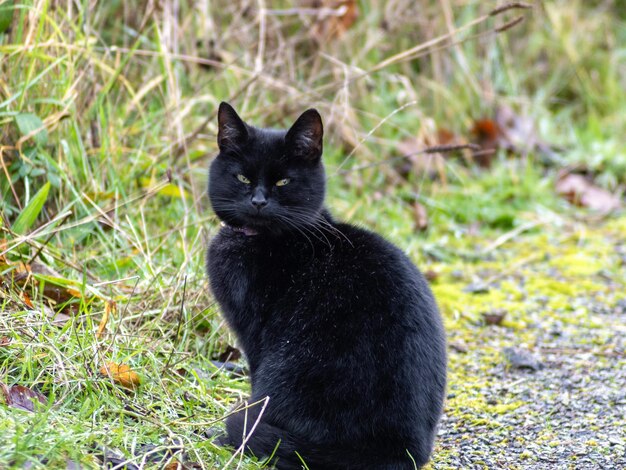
<point x="258" y="200"/>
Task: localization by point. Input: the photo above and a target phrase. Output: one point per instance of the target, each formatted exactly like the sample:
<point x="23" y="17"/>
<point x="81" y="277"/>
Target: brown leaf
<point x="231" y="354"/>
<point x="487" y="134"/>
<point x="23" y="275"/>
<point x="174" y="465"/>
<point x="431" y="276"/>
<point x="447" y="137"/>
<point x="74" y="292"/>
<point x="421" y="216"/>
<point x="334" y="19"/>
<point x="349" y="17"/>
<point x="507" y="130"/>
<point x="23" y="398"/>
<point x="582" y="192"/>
<point x="27" y="300"/>
<point x="517" y="131"/>
<point x="109" y="307"/>
<point x="494" y="317"/>
<point x="4" y="340"/>
<point x="122" y="374"/>
<point x="3" y="247"/>
<point x="107" y="220"/>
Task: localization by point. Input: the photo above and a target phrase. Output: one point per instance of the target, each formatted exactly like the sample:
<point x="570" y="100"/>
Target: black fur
<point x="340" y="329"/>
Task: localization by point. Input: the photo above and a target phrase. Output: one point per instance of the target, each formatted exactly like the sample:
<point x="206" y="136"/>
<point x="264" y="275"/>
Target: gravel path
<point x="545" y="388"/>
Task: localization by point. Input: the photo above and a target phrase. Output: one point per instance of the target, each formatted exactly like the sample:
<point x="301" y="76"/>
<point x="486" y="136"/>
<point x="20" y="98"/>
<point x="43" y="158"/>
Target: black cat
<point x="340" y="329"/>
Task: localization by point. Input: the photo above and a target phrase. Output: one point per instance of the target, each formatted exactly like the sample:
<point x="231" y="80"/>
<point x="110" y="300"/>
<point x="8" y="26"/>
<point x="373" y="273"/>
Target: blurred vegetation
<point x="107" y="126"/>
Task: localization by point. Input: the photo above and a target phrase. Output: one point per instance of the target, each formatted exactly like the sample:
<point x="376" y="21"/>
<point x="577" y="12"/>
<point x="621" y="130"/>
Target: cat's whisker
<point x="305" y="223"/>
<point x="291" y="224"/>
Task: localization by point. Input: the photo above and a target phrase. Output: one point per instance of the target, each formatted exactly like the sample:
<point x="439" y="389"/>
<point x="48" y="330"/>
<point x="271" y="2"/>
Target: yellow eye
<point x="283" y="182"/>
<point x="243" y="179"/>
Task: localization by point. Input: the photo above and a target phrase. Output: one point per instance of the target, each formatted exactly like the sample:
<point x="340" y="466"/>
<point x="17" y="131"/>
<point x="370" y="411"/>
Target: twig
<point x="426" y="150"/>
<point x="502" y="239"/>
<point x="510" y="6"/>
<point x="509" y="25"/>
<point x="249" y="435"/>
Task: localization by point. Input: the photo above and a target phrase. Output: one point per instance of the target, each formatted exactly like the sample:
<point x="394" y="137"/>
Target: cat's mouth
<point x="251" y="225"/>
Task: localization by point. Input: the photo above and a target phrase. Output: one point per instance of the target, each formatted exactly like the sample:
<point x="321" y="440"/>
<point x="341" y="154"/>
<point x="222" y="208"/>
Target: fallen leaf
<point x="74" y="292"/>
<point x="335" y="17"/>
<point x="447" y="137"/>
<point x="4" y="340"/>
<point x="36" y="275"/>
<point x="522" y="359"/>
<point x="231" y="354"/>
<point x="431" y="276"/>
<point x="506" y="130"/>
<point x="109" y="307"/>
<point x="27" y="300"/>
<point x="494" y="317"/>
<point x="487" y="134"/>
<point x="580" y="191"/>
<point x="23" y="398"/>
<point x="518" y="132"/>
<point x="122" y="374"/>
<point x="420" y="216"/>
<point x="4" y="245"/>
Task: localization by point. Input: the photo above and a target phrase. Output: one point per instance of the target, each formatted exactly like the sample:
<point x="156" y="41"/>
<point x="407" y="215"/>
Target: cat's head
<point x="267" y="180"/>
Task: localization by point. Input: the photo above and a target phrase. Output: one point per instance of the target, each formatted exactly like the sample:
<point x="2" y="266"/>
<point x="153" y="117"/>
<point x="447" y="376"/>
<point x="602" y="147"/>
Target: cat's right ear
<point x="305" y="136"/>
<point x="231" y="130"/>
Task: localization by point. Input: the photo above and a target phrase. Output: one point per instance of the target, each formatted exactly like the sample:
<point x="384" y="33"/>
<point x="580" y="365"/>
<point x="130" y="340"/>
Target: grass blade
<point x="30" y="213"/>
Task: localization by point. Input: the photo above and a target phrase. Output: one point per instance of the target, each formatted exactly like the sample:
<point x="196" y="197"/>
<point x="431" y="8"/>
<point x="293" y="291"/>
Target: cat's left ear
<point x="306" y="135"/>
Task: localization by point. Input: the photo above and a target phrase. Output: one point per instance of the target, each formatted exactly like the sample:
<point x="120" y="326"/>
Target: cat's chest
<point x="248" y="273"/>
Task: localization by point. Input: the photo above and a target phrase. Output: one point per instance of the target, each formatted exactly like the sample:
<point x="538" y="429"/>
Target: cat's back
<point x="376" y="262"/>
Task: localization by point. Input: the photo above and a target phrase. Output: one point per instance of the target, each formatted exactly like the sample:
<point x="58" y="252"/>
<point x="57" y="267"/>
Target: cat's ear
<point x="232" y="131"/>
<point x="306" y="135"/>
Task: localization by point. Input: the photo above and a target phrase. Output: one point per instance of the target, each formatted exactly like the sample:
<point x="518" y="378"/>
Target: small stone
<point x="494" y="317"/>
<point x="522" y="359"/>
<point x="478" y="287"/>
<point x="458" y="346"/>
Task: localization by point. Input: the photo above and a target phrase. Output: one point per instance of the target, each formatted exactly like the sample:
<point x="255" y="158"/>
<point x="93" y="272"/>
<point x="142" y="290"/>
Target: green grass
<point x="112" y="108"/>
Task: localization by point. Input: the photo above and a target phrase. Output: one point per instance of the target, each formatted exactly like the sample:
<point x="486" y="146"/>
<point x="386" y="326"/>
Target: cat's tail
<point x="289" y="452"/>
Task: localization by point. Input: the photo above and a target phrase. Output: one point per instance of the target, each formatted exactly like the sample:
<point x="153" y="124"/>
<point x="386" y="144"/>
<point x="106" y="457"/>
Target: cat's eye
<point x="283" y="182"/>
<point x="243" y="179"/>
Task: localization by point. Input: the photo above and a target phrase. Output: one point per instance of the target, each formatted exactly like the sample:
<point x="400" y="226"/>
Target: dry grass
<point x="124" y="96"/>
